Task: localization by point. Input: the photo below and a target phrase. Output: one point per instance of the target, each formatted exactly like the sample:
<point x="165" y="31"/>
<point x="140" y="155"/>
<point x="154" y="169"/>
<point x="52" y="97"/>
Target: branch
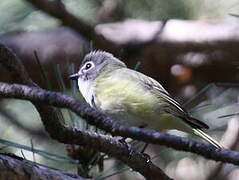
<point x="229" y="139"/>
<point x="100" y="120"/>
<point x="15" y="168"/>
<point x="73" y="135"/>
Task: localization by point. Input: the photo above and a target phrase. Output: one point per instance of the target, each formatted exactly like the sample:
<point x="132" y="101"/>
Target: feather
<point x="206" y="137"/>
<point x="174" y="107"/>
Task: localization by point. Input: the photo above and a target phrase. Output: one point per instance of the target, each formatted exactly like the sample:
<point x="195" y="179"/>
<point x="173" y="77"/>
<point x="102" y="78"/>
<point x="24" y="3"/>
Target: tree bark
<point x="15" y="168"/>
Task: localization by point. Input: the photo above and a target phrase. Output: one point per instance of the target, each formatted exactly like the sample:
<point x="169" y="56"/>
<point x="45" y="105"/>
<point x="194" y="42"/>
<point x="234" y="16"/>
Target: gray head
<point x="94" y="63"/>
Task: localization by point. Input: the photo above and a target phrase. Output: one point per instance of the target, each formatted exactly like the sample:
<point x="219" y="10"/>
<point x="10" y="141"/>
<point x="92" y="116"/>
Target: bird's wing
<point x="170" y="105"/>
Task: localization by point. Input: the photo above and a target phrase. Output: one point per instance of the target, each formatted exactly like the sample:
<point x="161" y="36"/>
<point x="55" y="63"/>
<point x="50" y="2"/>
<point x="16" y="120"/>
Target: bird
<point x="133" y="98"/>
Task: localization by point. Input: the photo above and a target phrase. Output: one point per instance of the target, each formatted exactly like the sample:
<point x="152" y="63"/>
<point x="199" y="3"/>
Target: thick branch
<point x="102" y="121"/>
<point x="99" y="142"/>
<point x="18" y="169"/>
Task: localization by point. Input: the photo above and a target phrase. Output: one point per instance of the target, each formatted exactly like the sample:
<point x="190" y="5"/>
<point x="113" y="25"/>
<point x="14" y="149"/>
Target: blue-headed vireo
<point x="133" y="98"/>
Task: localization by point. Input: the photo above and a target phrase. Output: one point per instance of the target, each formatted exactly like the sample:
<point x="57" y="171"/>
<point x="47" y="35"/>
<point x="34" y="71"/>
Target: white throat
<point x="86" y="90"/>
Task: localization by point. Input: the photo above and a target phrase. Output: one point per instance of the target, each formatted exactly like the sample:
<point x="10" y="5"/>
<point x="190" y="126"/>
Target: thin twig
<point x="13" y="167"/>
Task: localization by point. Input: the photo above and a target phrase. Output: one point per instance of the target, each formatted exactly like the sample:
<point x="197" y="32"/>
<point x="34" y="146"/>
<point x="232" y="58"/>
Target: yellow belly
<point x="127" y="101"/>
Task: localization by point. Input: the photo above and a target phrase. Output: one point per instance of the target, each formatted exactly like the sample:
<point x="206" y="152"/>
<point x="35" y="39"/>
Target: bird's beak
<point x="74" y="76"/>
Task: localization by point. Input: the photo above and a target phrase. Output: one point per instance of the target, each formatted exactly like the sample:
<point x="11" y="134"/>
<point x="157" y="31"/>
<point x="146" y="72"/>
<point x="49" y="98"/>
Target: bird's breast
<point x="125" y="100"/>
<point x="86" y="89"/>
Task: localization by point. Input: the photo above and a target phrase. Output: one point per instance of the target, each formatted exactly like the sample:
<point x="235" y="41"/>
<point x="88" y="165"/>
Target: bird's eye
<point x="89" y="65"/>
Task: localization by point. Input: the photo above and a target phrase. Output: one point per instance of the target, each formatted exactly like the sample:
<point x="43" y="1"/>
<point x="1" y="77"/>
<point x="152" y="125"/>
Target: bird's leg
<point x="145" y="146"/>
<point x="122" y="140"/>
<point x="146" y="156"/>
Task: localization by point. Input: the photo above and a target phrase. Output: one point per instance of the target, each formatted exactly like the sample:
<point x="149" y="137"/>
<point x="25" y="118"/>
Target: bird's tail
<point x="206" y="137"/>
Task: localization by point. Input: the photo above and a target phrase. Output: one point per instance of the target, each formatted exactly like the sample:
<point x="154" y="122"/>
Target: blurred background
<point x="190" y="47"/>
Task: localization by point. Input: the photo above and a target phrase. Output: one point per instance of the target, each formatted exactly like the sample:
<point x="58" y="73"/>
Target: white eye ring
<point x="88" y="66"/>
